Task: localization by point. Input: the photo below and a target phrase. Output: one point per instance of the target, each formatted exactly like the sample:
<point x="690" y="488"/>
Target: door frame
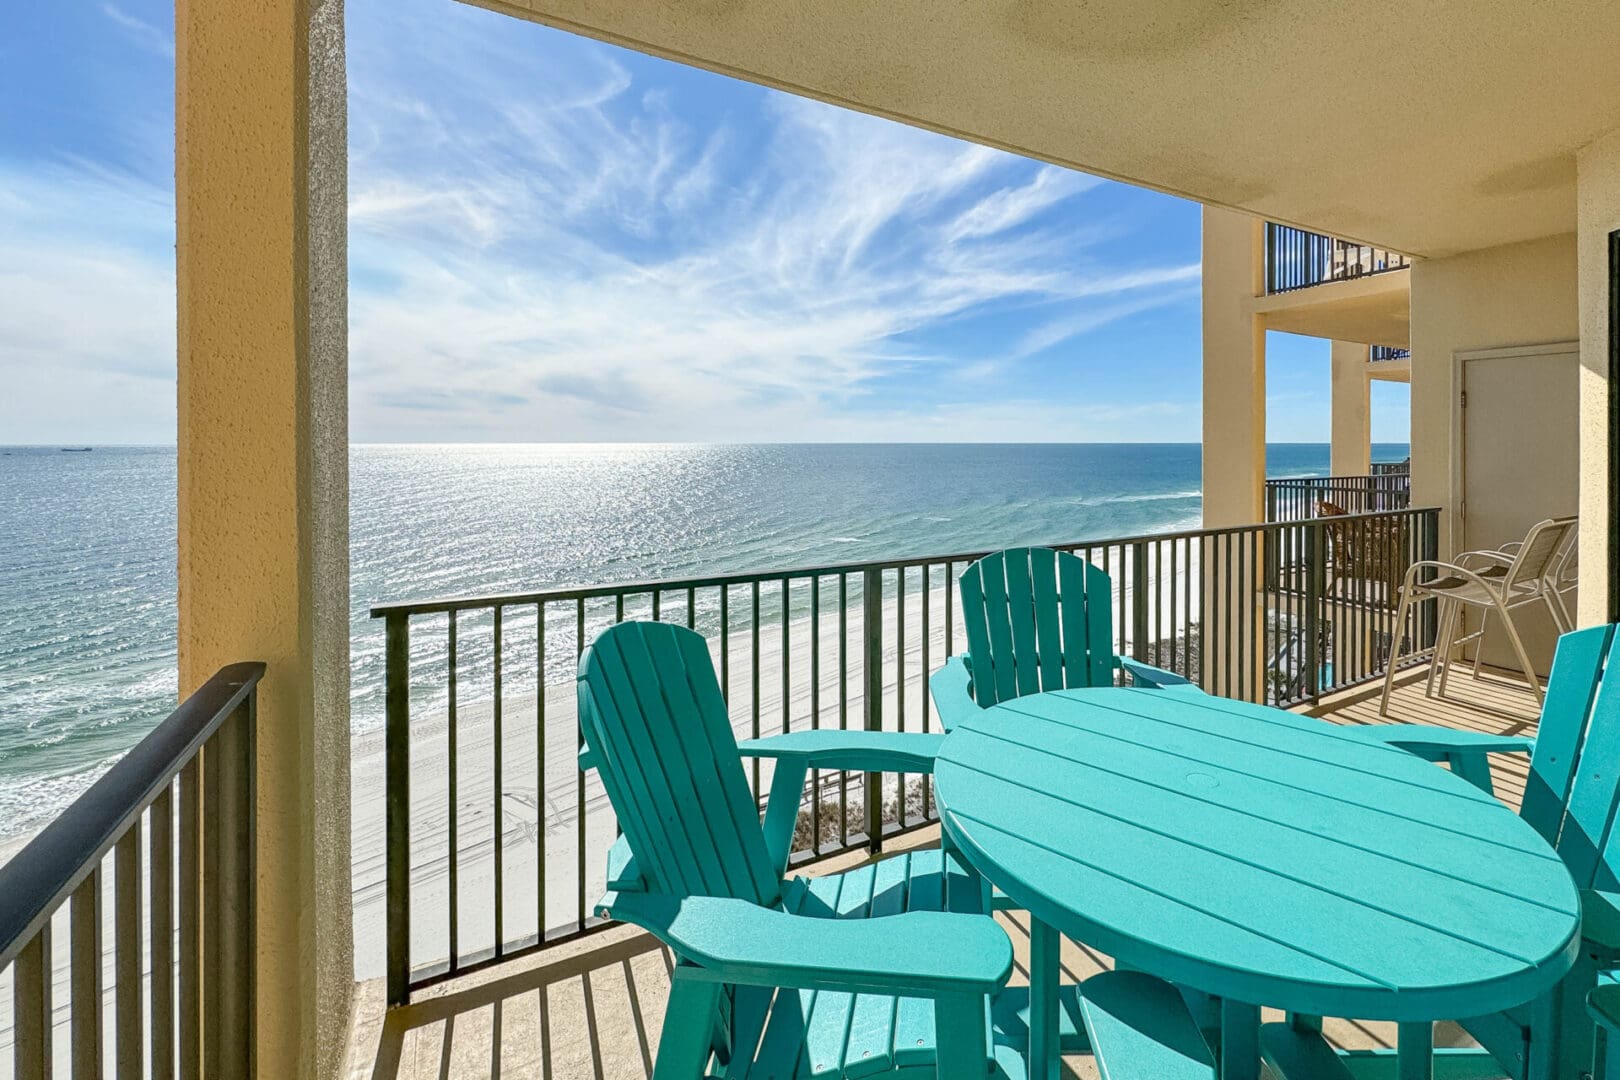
<point x="1612" y="513"/>
<point x="1459" y="437"/>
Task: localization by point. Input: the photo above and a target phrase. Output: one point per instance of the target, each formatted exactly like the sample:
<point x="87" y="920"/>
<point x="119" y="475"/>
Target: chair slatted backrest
<point x="1036" y="619"/>
<point x="656" y="728"/>
<point x="1574" y="783"/>
<point x="1535" y="556"/>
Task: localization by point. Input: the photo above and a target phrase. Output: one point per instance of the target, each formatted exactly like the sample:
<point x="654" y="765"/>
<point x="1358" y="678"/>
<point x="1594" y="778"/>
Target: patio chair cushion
<point x="810" y="1033"/>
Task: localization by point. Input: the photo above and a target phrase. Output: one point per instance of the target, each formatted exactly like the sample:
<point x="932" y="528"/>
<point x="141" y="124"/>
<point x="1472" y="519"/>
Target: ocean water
<point x="87" y="548"/>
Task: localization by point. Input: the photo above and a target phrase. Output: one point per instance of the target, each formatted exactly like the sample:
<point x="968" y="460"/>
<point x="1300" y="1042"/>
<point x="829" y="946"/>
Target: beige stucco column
<point x="1234" y="370"/>
<point x="260" y="186"/>
<point x="1234" y="450"/>
<point x="1597" y="189"/>
<point x="1351" y="450"/>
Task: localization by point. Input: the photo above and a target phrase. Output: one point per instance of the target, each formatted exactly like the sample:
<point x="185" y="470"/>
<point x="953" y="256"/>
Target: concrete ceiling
<point x="1428" y="126"/>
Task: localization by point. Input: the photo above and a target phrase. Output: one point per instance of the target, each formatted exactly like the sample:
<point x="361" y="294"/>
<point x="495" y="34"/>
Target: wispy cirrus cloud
<point x="144" y="34"/>
<point x="554" y="239"/>
<point x="614" y="260"/>
<point x="87" y="324"/>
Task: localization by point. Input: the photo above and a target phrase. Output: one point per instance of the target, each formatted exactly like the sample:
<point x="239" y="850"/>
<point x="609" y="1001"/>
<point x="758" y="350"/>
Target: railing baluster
<point x="453" y="818"/>
<point x="541" y="805"/>
<point x="843" y="704"/>
<point x="753" y="675"/>
<point x="815" y="707"/>
<point x="787" y="695"/>
<point x="500" y="800"/>
<point x="725" y="645"/>
<point x="397" y="801"/>
<point x="922" y="682"/>
<point x="191" y="914"/>
<point x="213" y="918"/>
<point x="579" y="786"/>
<point x="130" y="957"/>
<point x="31" y="1008"/>
<point x="160" y="879"/>
<point x="900" y="678"/>
<point x="84" y="947"/>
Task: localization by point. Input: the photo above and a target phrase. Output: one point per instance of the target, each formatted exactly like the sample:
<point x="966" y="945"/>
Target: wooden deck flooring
<point x="591" y="1010"/>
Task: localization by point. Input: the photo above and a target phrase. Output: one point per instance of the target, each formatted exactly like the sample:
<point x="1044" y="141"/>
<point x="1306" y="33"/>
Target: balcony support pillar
<point x="1234" y="370"/>
<point x="1597" y="242"/>
<point x="261" y="259"/>
<point x="1351" y="453"/>
<point x="1233" y="610"/>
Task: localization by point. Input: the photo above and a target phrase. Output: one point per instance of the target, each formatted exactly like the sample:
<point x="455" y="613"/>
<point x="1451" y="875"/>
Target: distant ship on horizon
<point x="77" y="449"/>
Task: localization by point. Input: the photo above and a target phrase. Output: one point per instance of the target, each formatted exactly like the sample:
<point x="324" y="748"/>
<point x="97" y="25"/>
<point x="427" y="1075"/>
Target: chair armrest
<point x="952" y="690"/>
<point x="917" y="954"/>
<point x="1445" y="569"/>
<point x="857" y="751"/>
<point x="1147" y="675"/>
<point x="622" y="871"/>
<point x="1604" y="1006"/>
<point x="1438" y="743"/>
<point x="1487" y="556"/>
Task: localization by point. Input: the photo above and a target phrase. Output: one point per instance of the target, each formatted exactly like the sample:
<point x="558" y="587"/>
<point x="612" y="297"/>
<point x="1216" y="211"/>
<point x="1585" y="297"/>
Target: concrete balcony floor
<point x="591" y="1010"/>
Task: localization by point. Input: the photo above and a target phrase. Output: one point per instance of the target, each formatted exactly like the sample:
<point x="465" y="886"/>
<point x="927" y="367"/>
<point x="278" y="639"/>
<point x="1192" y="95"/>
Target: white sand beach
<point x="541" y="816"/>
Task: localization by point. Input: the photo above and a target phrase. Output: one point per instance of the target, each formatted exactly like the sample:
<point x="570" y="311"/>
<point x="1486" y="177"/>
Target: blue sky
<point x="552" y="239"/>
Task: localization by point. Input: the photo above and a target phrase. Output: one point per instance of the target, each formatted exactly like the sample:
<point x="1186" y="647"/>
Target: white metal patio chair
<point x="1493" y="581"/>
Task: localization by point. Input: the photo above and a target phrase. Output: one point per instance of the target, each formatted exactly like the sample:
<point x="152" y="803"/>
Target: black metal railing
<point x="1392" y="468"/>
<point x="490" y="822"/>
<point x="175" y="819"/>
<point x="1297" y="259"/>
<point x="1295" y="498"/>
<point x="1377" y="354"/>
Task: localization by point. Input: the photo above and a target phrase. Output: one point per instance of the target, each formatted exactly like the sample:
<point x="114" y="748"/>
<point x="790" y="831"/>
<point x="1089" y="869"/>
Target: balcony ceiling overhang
<point x="1376" y="310"/>
<point x="1430" y="128"/>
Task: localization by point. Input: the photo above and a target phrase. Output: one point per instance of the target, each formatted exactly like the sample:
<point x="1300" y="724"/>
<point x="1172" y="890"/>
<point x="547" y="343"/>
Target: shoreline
<point x="524" y="823"/>
<point x="782" y="704"/>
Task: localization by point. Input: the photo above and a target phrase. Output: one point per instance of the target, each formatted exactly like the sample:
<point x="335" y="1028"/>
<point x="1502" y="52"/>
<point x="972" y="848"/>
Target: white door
<point x="1521" y="460"/>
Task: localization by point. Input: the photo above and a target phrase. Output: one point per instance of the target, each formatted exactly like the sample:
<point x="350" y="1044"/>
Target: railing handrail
<point x="610" y="589"/>
<point x="41" y="877"/>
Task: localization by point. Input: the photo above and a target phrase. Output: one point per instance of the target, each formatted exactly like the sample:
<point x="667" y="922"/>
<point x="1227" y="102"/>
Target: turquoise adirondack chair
<point x="1036" y="619"/>
<point x="884" y="968"/>
<point x="1570" y="798"/>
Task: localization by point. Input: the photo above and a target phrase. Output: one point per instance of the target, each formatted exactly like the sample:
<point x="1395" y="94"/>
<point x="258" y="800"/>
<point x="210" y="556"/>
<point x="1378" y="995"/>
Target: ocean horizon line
<point x="75" y="444"/>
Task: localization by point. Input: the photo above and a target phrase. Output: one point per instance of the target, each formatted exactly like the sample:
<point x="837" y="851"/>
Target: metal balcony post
<point x="872" y="697"/>
<point x="397" y="705"/>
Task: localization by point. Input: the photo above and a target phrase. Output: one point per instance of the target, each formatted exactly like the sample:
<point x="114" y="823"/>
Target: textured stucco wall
<point x="1234" y="371"/>
<point x="263" y="492"/>
<point x="1351" y="422"/>
<point x="1598" y="213"/>
<point x="1517" y="294"/>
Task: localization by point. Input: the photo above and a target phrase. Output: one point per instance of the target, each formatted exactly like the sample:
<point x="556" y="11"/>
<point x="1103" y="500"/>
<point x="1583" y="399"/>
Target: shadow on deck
<point x="591" y="1010"/>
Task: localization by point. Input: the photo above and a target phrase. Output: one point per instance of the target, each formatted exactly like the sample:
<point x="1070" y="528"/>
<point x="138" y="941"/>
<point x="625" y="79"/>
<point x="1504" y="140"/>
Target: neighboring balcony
<point x="1388" y="487"/>
<point x="1297" y="259"/>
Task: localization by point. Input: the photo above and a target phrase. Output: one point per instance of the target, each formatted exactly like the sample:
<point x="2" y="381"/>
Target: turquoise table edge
<point x="1301" y="996"/>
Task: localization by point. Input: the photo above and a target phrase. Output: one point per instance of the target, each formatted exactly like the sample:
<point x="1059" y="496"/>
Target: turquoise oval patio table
<point x="1260" y="856"/>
